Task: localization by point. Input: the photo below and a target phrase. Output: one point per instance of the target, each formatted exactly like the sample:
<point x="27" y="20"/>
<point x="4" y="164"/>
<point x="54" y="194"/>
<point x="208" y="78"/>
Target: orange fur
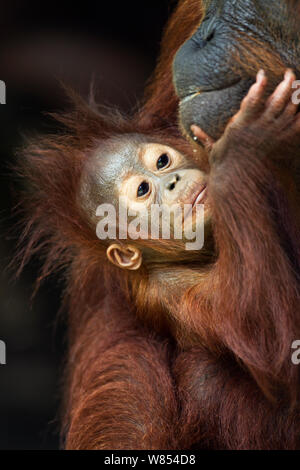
<point x="191" y="356"/>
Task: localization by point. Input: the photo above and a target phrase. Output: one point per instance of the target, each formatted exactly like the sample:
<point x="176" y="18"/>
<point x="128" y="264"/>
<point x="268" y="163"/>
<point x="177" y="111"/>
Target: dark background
<point x="115" y="43"/>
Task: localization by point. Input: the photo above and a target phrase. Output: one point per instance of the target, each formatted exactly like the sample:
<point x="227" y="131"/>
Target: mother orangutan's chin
<point x="215" y="67"/>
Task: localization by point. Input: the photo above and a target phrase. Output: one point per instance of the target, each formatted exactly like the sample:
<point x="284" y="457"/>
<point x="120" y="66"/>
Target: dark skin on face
<point x="214" y="69"/>
<point x="251" y="104"/>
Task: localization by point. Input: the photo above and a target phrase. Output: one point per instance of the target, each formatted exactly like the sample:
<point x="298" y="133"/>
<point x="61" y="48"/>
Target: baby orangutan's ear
<point x="125" y="257"/>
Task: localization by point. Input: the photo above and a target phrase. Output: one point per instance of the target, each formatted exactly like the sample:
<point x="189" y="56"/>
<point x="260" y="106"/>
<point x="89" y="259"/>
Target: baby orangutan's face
<point x="161" y="175"/>
<point x="141" y="178"/>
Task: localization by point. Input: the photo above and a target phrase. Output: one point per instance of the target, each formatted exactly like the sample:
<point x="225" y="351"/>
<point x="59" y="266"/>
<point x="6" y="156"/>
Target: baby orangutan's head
<point x="128" y="181"/>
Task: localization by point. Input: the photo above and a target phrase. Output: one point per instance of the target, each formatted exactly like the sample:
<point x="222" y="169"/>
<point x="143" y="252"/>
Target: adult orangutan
<point x="170" y="349"/>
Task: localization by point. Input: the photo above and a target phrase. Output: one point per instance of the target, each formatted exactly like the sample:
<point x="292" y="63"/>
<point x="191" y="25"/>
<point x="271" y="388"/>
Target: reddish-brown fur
<point x="216" y="372"/>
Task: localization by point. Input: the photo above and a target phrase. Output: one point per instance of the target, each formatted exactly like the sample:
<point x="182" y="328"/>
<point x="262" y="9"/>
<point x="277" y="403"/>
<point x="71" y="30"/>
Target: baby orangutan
<point x="179" y="348"/>
<point x="138" y="172"/>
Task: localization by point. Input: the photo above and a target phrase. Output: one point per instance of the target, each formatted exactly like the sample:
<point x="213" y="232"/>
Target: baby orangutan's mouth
<point x="196" y="197"/>
<point x="200" y="196"/>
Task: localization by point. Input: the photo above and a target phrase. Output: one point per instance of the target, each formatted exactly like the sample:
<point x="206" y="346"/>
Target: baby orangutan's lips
<point x="200" y="196"/>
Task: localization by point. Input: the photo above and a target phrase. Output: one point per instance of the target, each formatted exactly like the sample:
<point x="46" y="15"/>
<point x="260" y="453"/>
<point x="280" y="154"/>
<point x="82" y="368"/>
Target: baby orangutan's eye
<point x="163" y="161"/>
<point x="143" y="189"/>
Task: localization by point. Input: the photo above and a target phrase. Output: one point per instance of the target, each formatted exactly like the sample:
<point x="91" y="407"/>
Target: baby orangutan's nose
<point x="172" y="181"/>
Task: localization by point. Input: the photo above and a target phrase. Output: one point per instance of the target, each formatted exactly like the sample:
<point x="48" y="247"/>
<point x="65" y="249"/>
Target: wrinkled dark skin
<point x="209" y="81"/>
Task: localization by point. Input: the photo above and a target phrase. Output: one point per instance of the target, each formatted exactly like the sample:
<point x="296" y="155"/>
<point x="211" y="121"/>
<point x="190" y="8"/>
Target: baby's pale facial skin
<point x="139" y="175"/>
<point x="168" y="179"/>
<point x="163" y="176"/>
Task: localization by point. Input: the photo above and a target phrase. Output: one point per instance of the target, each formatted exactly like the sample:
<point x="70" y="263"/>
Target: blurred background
<point x="116" y="44"/>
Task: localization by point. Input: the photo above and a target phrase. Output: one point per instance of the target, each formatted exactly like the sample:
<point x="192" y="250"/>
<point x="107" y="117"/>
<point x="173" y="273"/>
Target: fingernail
<point x="261" y="74"/>
<point x="288" y="73"/>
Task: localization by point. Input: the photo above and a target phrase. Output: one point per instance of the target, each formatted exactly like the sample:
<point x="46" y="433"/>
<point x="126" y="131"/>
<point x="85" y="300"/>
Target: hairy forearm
<point x="120" y="394"/>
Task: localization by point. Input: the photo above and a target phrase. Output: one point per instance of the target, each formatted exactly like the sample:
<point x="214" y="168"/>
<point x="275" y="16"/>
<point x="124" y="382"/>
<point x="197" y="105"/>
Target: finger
<point x="254" y="101"/>
<point x="293" y="105"/>
<point x="282" y="96"/>
<point x="289" y="112"/>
